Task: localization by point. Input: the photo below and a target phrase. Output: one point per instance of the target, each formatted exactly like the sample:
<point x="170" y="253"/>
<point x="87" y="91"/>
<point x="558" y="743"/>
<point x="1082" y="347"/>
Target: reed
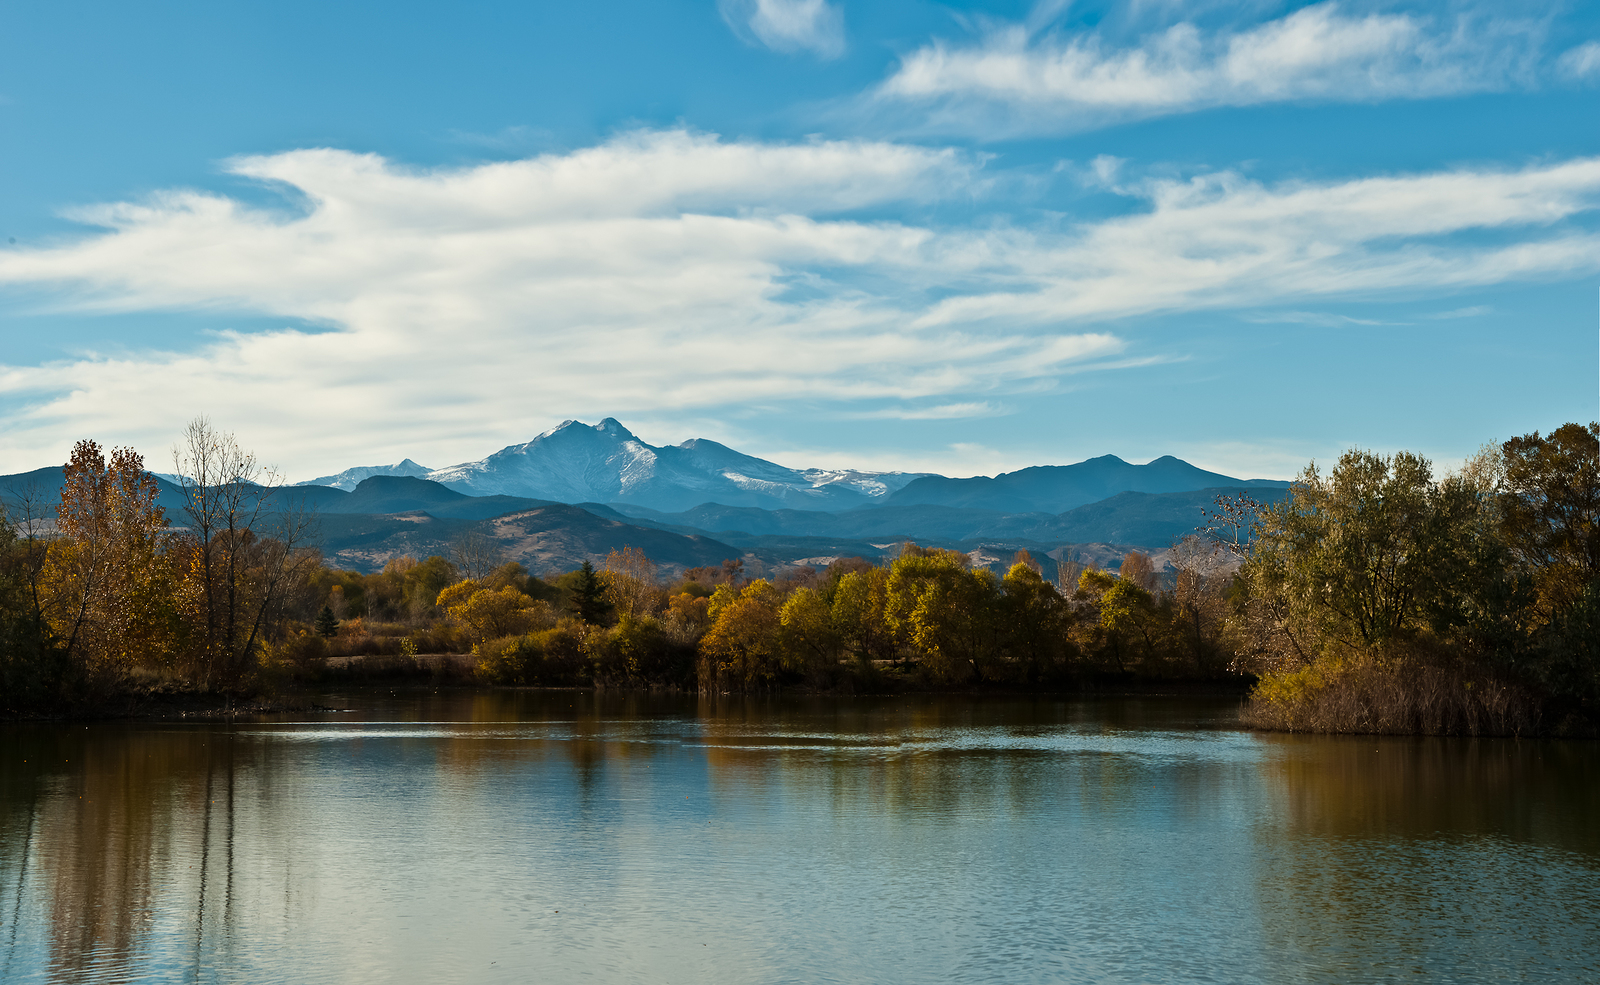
<point x="1393" y="696"/>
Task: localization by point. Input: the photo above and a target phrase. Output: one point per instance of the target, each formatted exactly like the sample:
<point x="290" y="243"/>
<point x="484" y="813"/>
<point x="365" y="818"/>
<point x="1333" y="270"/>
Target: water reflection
<point x="493" y="836"/>
<point x="1449" y="850"/>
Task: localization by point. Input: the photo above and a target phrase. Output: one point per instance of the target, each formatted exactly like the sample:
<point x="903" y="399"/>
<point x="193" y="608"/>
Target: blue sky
<point x="961" y="238"/>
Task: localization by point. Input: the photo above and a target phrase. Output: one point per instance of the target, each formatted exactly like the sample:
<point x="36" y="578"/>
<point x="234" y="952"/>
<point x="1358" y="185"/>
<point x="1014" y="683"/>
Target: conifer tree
<point x="327" y="623"/>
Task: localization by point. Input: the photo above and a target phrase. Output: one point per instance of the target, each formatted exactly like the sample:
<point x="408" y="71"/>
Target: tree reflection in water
<point x="750" y="838"/>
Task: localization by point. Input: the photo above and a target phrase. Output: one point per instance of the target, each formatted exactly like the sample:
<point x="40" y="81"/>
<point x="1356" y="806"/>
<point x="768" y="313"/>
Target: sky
<point x="961" y="238"/>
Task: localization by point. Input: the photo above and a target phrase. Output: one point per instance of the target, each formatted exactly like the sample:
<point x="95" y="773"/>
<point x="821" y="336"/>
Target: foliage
<point x="586" y="595"/>
<point x="741" y="651"/>
<point x="630" y="583"/>
<point x="1379" y="579"/>
<point x="35" y="671"/>
<point x="327" y="623"/>
<point x="490" y="613"/>
<point x="1550" y="498"/>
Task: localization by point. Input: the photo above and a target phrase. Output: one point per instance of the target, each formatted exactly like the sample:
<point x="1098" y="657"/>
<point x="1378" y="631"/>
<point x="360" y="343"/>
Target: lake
<point x="557" y="836"/>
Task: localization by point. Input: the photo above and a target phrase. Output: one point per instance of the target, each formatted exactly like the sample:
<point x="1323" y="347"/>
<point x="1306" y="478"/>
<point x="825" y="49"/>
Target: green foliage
<point x="1380" y="581"/>
<point x="1567" y="655"/>
<point x="1037" y="622"/>
<point x="1550" y="500"/>
<point x="1375" y="555"/>
<point x="327" y="623"/>
<point x="587" y="595"/>
<point x="945" y="613"/>
<point x="35" y="672"/>
<point x="422" y="584"/>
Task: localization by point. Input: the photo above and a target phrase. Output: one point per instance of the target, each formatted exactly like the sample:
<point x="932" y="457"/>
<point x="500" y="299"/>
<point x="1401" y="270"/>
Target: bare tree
<point x="1231" y="524"/>
<point x="1200" y="594"/>
<point x="229" y="499"/>
<point x="476" y="554"/>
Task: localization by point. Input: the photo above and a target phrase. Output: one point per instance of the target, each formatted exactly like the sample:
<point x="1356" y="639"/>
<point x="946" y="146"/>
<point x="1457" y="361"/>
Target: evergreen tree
<point x="589" y="596"/>
<point x="327" y="623"/>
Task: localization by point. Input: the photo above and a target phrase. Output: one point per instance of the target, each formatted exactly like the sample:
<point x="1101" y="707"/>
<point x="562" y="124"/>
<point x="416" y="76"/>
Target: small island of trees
<point x="1375" y="598"/>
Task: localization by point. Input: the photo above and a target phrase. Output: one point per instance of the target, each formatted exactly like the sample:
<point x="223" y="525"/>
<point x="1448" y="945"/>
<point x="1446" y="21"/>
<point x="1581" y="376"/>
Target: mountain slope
<point x="554" y="537"/>
<point x="406" y="494"/>
<point x="1058" y="488"/>
<point x="1145" y="520"/>
<point x="350" y="478"/>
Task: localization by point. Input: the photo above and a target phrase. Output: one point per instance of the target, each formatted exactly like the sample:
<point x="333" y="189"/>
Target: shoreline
<point x="170" y="703"/>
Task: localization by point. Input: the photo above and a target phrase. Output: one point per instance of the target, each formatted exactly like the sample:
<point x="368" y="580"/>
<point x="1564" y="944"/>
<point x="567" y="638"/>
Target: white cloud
<point x="788" y="25"/>
<point x="941" y="412"/>
<point x="1322" y="319"/>
<point x="1472" y="311"/>
<point x="1222" y="241"/>
<point x="1582" y="62"/>
<point x="1015" y="79"/>
<point x="674" y="274"/>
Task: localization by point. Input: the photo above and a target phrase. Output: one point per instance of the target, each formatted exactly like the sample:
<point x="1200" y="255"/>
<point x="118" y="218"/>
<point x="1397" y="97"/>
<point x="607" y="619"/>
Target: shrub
<point x="1428" y="695"/>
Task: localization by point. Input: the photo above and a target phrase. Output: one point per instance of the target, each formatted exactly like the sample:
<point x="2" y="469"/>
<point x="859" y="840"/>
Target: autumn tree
<point x="490" y="613"/>
<point x="860" y="617"/>
<point x="1034" y="620"/>
<point x="631" y="583"/>
<point x="33" y="667"/>
<point x="109" y="581"/>
<point x="742" y="650"/>
<point x="944" y="612"/>
<point x="812" y="642"/>
<point x="1199" y="597"/>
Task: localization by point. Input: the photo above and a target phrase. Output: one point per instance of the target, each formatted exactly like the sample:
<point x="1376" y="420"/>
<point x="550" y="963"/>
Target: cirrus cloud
<point x="1016" y="79"/>
<point x="788" y="25"/>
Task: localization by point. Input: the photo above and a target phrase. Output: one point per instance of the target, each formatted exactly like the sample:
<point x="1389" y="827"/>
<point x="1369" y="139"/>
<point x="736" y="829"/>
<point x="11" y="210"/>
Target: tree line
<point x="1376" y="597"/>
<point x="105" y="594"/>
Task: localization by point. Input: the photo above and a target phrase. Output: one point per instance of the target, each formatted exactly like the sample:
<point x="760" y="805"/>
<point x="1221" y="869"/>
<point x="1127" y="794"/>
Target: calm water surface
<point x="554" y="836"/>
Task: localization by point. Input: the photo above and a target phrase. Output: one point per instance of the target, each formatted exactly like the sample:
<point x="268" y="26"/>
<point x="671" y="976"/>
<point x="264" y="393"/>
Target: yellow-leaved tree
<point x="107" y="582"/>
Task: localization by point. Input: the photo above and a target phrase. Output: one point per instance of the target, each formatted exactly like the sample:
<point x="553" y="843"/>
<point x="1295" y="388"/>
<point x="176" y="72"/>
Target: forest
<point x="1377" y="597"/>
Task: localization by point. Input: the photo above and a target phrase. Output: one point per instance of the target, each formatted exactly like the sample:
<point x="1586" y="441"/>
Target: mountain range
<point x="577" y="463"/>
<point x="577" y="491"/>
<point x="607" y="463"/>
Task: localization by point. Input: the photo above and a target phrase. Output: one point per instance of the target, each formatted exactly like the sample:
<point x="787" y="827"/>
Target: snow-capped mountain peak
<point x="576" y="462"/>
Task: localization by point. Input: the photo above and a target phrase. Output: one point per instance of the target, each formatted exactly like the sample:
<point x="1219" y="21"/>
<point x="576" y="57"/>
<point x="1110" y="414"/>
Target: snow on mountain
<point x="874" y="484"/>
<point x="350" y="478"/>
<point x="605" y="463"/>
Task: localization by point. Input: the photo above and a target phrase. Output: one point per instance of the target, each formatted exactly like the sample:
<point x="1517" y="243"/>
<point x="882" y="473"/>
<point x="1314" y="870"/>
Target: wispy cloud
<point x="1469" y="312"/>
<point x="788" y="25"/>
<point x="519" y="138"/>
<point x="1017" y="78"/>
<point x="655" y="274"/>
<point x="942" y="412"/>
<point x="1325" y="319"/>
<point x="1582" y="62"/>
